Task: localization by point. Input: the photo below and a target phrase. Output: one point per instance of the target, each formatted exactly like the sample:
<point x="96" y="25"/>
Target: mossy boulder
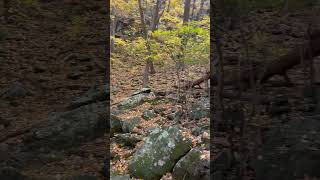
<point x="136" y="99"/>
<point x="128" y="126"/>
<point x="115" y="125"/>
<point x="148" y="114"/>
<point x="162" y="149"/>
<point x="192" y="166"/>
<point x="200" y="109"/>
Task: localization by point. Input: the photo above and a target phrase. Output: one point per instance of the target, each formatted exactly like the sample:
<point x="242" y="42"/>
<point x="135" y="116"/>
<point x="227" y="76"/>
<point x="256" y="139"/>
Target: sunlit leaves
<point x="195" y="50"/>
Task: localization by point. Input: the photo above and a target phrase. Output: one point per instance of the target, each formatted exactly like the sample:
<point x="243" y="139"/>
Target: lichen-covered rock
<point x="159" y="110"/>
<point x="115" y="124"/>
<point x="175" y="115"/>
<point x="136" y="99"/>
<point x="128" y="126"/>
<point x="162" y="149"/>
<point x="129" y="139"/>
<point x="194" y="165"/>
<point x="200" y="109"/>
<point x="148" y="114"/>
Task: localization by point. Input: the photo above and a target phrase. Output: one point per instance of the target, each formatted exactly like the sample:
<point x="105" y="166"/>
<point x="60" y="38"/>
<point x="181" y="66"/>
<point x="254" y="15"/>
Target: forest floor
<point x="125" y="80"/>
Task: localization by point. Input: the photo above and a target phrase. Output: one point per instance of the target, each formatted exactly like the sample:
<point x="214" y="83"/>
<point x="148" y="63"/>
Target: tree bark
<point x="169" y="6"/>
<point x="193" y="8"/>
<point x="113" y="29"/>
<point x="200" y="10"/>
<point x="145" y="34"/>
<point x="186" y="13"/>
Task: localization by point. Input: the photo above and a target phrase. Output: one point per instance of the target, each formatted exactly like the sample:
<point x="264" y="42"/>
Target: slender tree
<point x="193" y="9"/>
<point x="186" y="13"/>
<point x="149" y="68"/>
<point x="113" y="22"/>
<point x="200" y="13"/>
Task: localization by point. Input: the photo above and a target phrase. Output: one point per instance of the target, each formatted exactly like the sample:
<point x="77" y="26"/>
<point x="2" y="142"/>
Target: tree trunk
<point x="154" y="26"/>
<point x="193" y="8"/>
<point x="186" y="13"/>
<point x="145" y="34"/>
<point x="169" y="6"/>
<point x="146" y="82"/>
<point x="155" y="18"/>
<point x="112" y="30"/>
<point x="200" y="10"/>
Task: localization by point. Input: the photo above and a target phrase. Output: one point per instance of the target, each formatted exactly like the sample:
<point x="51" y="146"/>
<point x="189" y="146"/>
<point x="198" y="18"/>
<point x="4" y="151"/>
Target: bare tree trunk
<point x="186" y="13"/>
<point x="155" y="17"/>
<point x="113" y="30"/>
<point x="145" y="33"/>
<point x="145" y="82"/>
<point x="169" y="6"/>
<point x="193" y="8"/>
<point x="200" y="10"/>
<point x="154" y="26"/>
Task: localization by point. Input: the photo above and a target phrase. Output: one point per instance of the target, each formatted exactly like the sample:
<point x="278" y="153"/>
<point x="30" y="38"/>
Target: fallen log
<point x="279" y="66"/>
<point x="198" y="81"/>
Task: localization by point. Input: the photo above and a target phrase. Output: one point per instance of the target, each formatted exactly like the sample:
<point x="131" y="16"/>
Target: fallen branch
<point x="279" y="66"/>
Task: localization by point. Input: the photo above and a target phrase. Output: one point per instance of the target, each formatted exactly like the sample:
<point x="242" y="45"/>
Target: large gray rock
<point x="162" y="149"/>
<point x="128" y="126"/>
<point x="175" y="115"/>
<point x="136" y="99"/>
<point x="290" y="151"/>
<point x="94" y="94"/>
<point x="129" y="139"/>
<point x="200" y="109"/>
<point x="193" y="166"/>
<point x="148" y="114"/>
<point x="70" y="128"/>
<point x="115" y="125"/>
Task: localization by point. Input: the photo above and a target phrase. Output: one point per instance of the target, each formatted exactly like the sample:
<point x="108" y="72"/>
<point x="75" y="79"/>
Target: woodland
<point x="251" y="112"/>
<point x="158" y="49"/>
<point x="199" y="89"/>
